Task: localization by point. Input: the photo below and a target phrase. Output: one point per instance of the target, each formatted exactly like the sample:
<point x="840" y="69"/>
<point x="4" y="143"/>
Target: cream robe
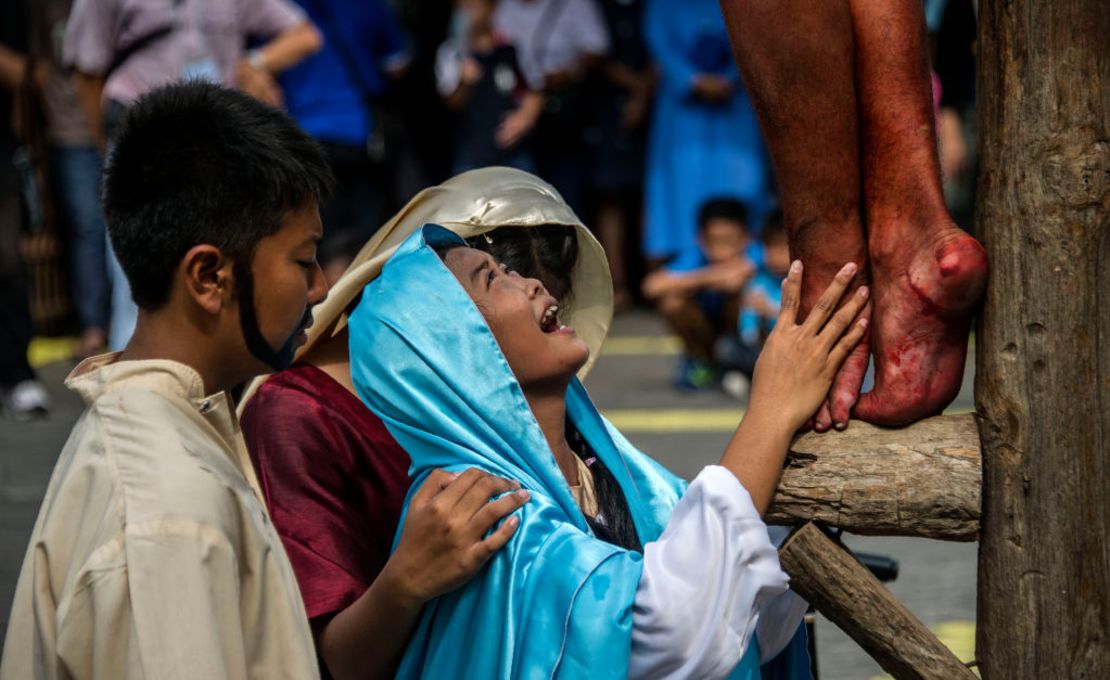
<point x="152" y="555"/>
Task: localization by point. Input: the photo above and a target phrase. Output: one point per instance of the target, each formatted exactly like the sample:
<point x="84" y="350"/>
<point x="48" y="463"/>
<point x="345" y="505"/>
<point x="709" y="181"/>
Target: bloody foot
<point x="797" y="59"/>
<point x="924" y="292"/>
<point x="846" y="386"/>
<point x="926" y="273"/>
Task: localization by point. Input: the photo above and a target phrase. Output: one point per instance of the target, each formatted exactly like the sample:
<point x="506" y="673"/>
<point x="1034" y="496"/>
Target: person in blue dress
<point x="705" y="139"/>
<point x="618" y="568"/>
<point x="701" y="304"/>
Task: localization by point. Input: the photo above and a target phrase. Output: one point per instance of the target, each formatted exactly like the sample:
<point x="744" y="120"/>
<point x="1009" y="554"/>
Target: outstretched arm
<point x="725" y="277"/>
<point x="288" y="48"/>
<point x="443" y="544"/>
<point x="664" y="282"/>
<point x="712" y="581"/>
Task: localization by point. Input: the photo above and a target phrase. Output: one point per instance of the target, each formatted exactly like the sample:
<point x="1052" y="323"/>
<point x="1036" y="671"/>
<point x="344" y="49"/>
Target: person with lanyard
<point x="632" y="574"/>
<point x="494" y="106"/>
<point x="122" y="49"/>
<point x="559" y="44"/>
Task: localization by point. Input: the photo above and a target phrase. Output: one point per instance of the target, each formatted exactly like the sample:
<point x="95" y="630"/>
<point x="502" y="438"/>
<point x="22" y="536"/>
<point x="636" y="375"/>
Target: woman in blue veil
<point x="618" y="569"/>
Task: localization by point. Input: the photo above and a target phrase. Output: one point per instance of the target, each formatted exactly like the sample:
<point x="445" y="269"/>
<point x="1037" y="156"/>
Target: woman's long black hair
<point x="614" y="518"/>
<point x="547" y="253"/>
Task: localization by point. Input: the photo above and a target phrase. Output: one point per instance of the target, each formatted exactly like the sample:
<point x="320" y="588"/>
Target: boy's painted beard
<point x="278" y="359"/>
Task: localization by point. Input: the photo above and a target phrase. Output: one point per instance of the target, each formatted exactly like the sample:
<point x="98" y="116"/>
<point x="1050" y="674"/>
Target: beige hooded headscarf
<point x="470" y="204"/>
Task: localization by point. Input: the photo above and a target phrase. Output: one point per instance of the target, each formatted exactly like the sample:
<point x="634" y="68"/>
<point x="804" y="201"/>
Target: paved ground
<point x="631" y="384"/>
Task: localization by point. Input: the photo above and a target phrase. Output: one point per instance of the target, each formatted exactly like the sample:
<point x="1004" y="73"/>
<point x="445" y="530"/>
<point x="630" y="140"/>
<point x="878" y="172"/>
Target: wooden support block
<point x="922" y="480"/>
<point x="848" y="595"/>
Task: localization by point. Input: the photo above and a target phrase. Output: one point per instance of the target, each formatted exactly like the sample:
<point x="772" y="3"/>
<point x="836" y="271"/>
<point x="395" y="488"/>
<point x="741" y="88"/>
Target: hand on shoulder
<point x="443" y="542"/>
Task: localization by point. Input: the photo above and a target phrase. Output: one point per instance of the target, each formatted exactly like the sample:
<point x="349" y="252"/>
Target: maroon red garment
<point x="334" y="480"/>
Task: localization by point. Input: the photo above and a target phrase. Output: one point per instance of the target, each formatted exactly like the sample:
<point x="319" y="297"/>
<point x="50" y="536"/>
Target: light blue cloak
<point x="556" y="601"/>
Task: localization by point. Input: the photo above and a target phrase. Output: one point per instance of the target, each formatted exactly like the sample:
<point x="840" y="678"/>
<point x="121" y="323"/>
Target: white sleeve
<point x="590" y="32"/>
<point x="777" y="622"/>
<point x="706" y="584"/>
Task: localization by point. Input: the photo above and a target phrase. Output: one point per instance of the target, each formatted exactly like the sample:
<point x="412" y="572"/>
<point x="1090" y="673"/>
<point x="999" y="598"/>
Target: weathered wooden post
<point x="1043" y="342"/>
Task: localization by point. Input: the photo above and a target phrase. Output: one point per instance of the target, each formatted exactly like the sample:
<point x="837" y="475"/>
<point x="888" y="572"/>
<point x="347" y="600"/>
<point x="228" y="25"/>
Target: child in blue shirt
<point x="702" y="303"/>
<point x="760" y="302"/>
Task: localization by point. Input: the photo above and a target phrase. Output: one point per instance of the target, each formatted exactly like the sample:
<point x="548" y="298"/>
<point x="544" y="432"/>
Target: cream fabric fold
<point x="152" y="555"/>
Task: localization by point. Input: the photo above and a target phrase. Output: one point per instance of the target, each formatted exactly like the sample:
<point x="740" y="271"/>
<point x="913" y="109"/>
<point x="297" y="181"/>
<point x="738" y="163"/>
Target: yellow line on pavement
<point x="675" y="420"/>
<point x="641" y="345"/>
<point x="957" y="636"/>
<point x="45" y="350"/>
<point x="679" y="420"/>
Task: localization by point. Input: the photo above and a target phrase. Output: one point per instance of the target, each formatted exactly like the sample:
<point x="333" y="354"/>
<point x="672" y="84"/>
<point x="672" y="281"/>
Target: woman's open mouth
<point x="549" y="322"/>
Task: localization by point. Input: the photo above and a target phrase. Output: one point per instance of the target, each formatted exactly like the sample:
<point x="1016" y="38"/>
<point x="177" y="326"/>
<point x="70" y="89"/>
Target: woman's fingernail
<point x="849" y="269"/>
<point x="863" y="291"/>
<point x="796" y="266"/>
<point x="523" y="495"/>
<point x="841" y="426"/>
<point x="863" y="323"/>
<point x="513" y="520"/>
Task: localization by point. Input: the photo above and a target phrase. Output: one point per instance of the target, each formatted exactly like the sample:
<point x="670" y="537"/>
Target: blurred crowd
<point x="633" y="110"/>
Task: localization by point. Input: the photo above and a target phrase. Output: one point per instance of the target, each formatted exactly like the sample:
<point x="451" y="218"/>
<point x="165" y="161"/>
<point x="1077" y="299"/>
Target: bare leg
<point x="690" y="324"/>
<point x="927" y="273"/>
<point x="797" y="61"/>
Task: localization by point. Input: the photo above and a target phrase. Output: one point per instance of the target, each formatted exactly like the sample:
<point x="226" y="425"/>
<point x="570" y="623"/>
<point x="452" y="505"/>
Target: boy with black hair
<point x="702" y="305"/>
<point x="153" y="555"/>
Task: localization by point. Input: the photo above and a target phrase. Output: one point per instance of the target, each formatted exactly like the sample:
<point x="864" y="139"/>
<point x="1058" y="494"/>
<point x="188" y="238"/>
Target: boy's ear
<point x="208" y="280"/>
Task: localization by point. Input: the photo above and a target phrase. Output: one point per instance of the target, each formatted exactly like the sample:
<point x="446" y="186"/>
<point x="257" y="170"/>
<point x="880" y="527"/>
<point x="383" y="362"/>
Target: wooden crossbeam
<point x="923" y="480"/>
<point x="851" y="597"/>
